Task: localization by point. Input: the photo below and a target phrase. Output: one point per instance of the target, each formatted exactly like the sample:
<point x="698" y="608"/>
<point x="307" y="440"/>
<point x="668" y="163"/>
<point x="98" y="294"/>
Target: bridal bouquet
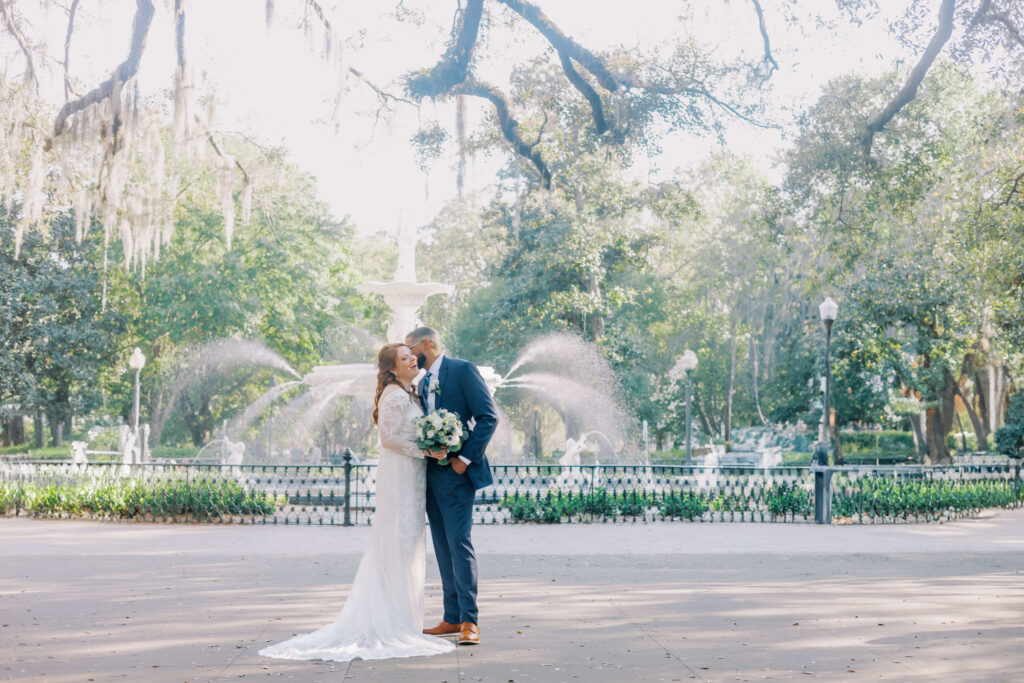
<point x="440" y="429"/>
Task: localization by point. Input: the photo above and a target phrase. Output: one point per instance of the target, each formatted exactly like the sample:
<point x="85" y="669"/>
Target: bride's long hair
<point x="387" y="360"/>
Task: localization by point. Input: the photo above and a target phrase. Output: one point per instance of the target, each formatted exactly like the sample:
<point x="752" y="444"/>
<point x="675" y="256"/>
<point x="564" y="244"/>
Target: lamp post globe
<point x="828" y="309"/>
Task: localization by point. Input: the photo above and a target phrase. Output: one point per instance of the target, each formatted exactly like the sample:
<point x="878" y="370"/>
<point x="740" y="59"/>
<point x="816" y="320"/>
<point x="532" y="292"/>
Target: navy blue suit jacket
<point x="463" y="391"/>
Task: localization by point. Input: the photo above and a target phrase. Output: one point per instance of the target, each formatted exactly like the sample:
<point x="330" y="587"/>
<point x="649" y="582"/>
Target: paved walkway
<point x="86" y="601"/>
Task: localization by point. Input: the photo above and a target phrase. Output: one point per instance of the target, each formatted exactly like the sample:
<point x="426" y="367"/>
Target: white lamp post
<point x="136" y="362"/>
<point x="828" y="310"/>
<point x="819" y="465"/>
<point x="687" y="363"/>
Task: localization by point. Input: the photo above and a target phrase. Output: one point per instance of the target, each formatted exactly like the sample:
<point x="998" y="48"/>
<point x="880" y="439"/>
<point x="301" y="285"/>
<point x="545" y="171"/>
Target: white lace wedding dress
<point x="383" y="616"/>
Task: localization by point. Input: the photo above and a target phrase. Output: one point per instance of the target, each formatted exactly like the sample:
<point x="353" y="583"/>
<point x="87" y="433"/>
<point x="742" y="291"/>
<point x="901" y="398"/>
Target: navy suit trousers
<point x="450" y="499"/>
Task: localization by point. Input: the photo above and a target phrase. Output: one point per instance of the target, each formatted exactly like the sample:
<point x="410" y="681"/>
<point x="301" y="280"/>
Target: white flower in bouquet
<point x="440" y="429"/>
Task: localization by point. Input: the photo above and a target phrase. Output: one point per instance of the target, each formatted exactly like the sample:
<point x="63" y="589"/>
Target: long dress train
<point x="383" y="615"/>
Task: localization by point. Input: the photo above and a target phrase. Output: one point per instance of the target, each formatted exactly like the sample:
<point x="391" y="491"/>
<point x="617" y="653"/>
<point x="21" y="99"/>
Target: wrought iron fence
<point x="344" y="494"/>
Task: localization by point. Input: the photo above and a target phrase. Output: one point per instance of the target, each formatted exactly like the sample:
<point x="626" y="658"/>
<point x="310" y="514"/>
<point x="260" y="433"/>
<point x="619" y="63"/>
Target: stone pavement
<point x="89" y="601"/>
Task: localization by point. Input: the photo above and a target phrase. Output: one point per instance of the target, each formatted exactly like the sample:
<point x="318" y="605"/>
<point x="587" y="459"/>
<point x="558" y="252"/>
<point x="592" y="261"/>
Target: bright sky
<point x="272" y="84"/>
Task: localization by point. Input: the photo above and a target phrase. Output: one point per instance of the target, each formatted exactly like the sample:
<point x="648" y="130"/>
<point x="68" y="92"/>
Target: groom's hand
<point x="458" y="465"/>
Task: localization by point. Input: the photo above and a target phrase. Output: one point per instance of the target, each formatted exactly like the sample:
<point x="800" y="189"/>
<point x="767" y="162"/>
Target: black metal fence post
<point x="347" y="459"/>
<point x="822" y="494"/>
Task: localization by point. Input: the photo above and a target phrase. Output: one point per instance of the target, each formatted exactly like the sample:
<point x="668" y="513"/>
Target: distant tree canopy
<point x="101" y="133"/>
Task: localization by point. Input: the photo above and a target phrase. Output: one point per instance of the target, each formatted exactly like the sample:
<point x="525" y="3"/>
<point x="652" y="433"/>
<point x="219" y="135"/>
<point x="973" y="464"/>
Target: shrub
<point x="788" y="499"/>
<point x="891" y="443"/>
<point x="684" y="505"/>
<point x="1010" y="437"/>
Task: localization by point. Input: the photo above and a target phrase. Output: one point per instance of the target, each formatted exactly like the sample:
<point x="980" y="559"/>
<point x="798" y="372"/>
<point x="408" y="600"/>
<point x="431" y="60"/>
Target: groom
<point x="456" y="386"/>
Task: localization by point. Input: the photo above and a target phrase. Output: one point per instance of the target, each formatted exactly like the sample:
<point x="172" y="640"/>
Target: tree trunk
<point x="595" y="319"/>
<point x="198" y="420"/>
<point x="534" y="443"/>
<point x="938" y="454"/>
<point x="940" y="421"/>
<point x="56" y="420"/>
<point x="732" y="384"/>
<point x="753" y="374"/>
<point x="991" y="383"/>
<point x="698" y="405"/>
<point x="919" y="438"/>
<point x="37" y="424"/>
<point x="460" y="136"/>
<point x="837" y="451"/>
<point x="980" y="433"/>
<point x="13" y="430"/>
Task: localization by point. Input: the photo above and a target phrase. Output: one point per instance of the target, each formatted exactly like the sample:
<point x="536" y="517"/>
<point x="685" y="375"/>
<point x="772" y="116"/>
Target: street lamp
<point x="819" y="466"/>
<point x="827" y="310"/>
<point x="688" y="363"/>
<point x="136" y="362"/>
<point x="270" y="435"/>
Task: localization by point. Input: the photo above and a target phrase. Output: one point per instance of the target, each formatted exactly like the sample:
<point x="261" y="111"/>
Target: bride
<point x="383" y="616"/>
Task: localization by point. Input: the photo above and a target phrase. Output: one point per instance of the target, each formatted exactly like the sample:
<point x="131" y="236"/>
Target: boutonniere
<point x="435" y="389"/>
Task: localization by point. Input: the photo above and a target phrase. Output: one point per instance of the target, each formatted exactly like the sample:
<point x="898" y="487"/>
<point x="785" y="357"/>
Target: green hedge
<point x="865" y="499"/>
<point x="781" y="500"/>
<point x="875" y="497"/>
<point x="136" y="498"/>
<point x="890" y="443"/>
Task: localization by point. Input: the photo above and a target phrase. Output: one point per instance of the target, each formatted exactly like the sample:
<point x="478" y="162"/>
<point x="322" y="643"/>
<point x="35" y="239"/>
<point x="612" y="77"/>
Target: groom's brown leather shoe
<point x="443" y="629"/>
<point x="469" y="634"/>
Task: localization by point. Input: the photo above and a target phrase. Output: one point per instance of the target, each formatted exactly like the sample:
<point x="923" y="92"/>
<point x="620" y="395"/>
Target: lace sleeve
<point x="392" y="416"/>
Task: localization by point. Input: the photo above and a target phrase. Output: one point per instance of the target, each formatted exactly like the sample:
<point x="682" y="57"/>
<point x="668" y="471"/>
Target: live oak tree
<point x="100" y="134"/>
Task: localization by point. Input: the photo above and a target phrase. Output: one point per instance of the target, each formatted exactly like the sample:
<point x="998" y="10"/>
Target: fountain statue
<point x="404" y="295"/>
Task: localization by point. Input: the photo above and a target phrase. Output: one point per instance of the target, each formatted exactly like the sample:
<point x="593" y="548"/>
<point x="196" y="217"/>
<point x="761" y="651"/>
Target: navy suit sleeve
<point x="481" y="408"/>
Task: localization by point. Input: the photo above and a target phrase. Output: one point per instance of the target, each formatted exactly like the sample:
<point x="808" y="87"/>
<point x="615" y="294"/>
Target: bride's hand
<point x="437" y="455"/>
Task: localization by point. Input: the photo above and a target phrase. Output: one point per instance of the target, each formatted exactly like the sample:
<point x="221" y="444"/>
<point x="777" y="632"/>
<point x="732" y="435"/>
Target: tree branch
<point x="979" y="15"/>
<point x="179" y="33"/>
<point x="67" y="49"/>
<point x="124" y="71"/>
<point x="1014" y="32"/>
<point x="909" y="90"/>
<point x="693" y="88"/>
<point x="509" y="126"/>
<point x="382" y="94"/>
<point x="563" y="43"/>
<point x="8" y="17"/>
<point x="769" y="61"/>
<point x="216" y="148"/>
<point x="580" y="83"/>
<point x="1014" y="188"/>
<point x="453" y="68"/>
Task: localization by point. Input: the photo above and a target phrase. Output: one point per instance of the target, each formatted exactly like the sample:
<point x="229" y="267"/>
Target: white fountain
<point x="404" y="296"/>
